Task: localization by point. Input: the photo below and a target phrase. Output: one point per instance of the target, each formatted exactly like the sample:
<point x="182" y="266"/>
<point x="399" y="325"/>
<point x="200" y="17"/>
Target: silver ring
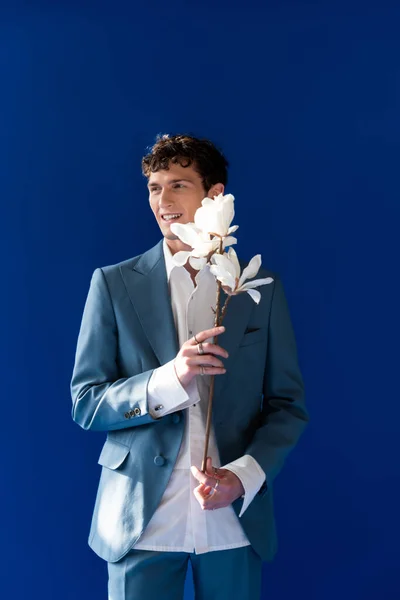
<point x="201" y="370"/>
<point x="196" y="340"/>
<point x="200" y="348"/>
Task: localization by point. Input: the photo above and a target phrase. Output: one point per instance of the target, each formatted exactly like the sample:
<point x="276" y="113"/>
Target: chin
<point x="170" y="236"/>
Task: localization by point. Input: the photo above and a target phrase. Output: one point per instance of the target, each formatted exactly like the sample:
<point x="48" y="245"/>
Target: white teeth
<point x="170" y="217"/>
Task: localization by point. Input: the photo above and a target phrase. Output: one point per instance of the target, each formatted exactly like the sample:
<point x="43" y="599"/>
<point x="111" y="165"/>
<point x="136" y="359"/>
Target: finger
<point x="202" y="336"/>
<point x="209" y="348"/>
<point x="212" y="471"/>
<point x="205" y="491"/>
<point x="207" y="360"/>
<point x="200" y="494"/>
<point x="207" y="370"/>
<point x="202" y="477"/>
<point x="213" y="505"/>
<point x="210" y="370"/>
<point x="209" y="467"/>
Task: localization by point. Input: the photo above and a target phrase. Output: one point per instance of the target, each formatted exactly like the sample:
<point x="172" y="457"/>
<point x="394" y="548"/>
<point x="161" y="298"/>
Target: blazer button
<point x="137" y="412"/>
<point x="127" y="415"/>
<point x="159" y="461"/>
<point x="131" y="413"/>
<point x="176" y="417"/>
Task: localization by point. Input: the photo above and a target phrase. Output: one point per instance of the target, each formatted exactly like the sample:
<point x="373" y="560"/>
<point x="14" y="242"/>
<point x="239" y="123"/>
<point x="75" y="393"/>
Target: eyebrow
<point x="170" y="181"/>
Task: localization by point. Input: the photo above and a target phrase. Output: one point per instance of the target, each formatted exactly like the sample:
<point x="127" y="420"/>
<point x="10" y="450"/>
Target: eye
<point x="179" y="185"/>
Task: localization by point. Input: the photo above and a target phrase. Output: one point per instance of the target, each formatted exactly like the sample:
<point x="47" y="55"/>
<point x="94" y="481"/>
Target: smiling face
<point x="175" y="195"/>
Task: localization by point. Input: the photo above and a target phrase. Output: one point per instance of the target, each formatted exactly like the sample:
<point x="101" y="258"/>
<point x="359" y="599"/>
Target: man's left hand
<point x="210" y="494"/>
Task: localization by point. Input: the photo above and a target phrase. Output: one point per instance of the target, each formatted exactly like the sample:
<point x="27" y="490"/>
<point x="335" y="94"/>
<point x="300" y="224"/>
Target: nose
<point x="165" y="199"/>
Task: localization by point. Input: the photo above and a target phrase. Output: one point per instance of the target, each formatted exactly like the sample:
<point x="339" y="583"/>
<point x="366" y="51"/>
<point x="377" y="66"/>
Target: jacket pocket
<point x="251" y="337"/>
<point x="113" y="454"/>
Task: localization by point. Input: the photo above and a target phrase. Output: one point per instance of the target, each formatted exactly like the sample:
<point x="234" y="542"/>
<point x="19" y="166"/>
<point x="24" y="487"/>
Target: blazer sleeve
<point x="284" y="415"/>
<point x="101" y="400"/>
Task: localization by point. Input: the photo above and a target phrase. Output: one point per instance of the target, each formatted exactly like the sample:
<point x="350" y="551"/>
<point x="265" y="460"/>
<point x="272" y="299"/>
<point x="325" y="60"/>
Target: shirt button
<point x="159" y="461"/>
<point x="190" y="332"/>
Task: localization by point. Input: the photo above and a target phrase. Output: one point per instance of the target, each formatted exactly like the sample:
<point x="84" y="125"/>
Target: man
<point x="142" y="373"/>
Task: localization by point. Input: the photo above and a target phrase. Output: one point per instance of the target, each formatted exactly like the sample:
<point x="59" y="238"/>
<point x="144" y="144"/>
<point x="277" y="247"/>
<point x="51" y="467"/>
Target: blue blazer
<point x="127" y="331"/>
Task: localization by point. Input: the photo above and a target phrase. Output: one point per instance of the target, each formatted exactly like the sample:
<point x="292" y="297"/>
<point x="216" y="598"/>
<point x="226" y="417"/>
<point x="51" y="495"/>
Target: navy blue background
<point x="303" y="97"/>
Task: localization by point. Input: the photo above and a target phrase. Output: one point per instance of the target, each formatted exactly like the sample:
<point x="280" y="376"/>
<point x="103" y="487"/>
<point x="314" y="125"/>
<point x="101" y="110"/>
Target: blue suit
<point x="128" y="330"/>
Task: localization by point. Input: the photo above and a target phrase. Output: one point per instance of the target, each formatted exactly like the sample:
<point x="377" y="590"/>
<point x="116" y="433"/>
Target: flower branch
<point x="208" y="237"/>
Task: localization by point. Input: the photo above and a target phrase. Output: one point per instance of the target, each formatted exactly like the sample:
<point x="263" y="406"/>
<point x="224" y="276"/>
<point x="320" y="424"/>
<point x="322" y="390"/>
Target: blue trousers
<point x="220" y="575"/>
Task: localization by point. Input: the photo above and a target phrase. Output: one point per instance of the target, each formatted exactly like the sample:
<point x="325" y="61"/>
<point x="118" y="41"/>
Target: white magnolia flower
<point x="215" y="216"/>
<point x="226" y="268"/>
<point x="201" y="243"/>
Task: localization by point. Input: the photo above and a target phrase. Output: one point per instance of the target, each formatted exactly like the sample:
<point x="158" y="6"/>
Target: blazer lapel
<point x="147" y="286"/>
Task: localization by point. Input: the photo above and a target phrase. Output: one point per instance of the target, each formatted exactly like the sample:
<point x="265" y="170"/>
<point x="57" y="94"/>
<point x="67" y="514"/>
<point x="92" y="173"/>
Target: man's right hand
<point x="189" y="362"/>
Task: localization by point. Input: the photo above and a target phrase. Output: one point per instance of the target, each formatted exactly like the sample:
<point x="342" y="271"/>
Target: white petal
<point x="228" y="199"/>
<point x="204" y="217"/>
<point x="202" y="249"/>
<point x="197" y="263"/>
<point x="233" y="229"/>
<point x="180" y="258"/>
<point x="233" y="257"/>
<point x="255" y="283"/>
<point x="224" y="263"/>
<point x="228" y="211"/>
<point x="186" y="232"/>
<point x="252" y="269"/>
<point x="215" y="216"/>
<point x="229" y="240"/>
<point x="223" y="276"/>
<point x="207" y="202"/>
<point x="255" y="295"/>
<point x="185" y="226"/>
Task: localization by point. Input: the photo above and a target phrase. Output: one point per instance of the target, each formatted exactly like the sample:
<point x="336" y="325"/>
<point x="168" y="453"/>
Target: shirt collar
<point x="169" y="263"/>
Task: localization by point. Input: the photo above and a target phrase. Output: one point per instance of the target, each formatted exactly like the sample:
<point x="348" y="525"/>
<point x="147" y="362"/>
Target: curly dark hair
<point x="187" y="150"/>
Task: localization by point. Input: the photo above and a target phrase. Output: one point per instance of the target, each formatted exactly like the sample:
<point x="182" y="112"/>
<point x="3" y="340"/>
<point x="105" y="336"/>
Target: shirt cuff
<point x="250" y="474"/>
<point x="166" y="394"/>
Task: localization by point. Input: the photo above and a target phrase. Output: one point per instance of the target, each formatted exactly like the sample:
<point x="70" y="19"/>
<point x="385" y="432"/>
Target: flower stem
<point x="217" y="322"/>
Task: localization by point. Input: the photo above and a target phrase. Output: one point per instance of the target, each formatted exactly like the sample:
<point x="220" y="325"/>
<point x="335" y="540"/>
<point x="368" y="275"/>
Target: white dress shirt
<point x="179" y="524"/>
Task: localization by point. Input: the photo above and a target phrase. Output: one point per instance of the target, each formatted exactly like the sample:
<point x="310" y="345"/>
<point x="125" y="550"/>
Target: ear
<point x="216" y="189"/>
